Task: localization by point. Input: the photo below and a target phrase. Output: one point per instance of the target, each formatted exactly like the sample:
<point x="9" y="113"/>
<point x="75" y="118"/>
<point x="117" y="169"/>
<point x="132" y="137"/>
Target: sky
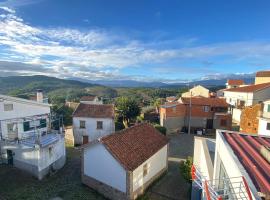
<point x="146" y="40"/>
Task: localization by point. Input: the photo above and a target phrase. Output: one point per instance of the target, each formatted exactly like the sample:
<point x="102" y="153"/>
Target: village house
<point x="264" y="119"/>
<point x="30" y="137"/>
<point x="91" y="100"/>
<point x="262" y="77"/>
<point x="234" y="166"/>
<point x="197" y="91"/>
<point x="234" y="83"/>
<point x="205" y="113"/>
<point x="122" y="165"/>
<point x="241" y="97"/>
<point x="92" y="121"/>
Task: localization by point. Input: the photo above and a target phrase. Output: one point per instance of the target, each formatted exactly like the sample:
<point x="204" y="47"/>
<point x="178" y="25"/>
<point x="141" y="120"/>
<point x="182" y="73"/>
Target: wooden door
<point x="85" y="139"/>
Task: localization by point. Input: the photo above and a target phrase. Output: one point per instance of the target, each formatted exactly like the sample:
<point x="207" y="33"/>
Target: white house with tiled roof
<point x="246" y="96"/>
<point x="122" y="165"/>
<point x="92" y="121"/>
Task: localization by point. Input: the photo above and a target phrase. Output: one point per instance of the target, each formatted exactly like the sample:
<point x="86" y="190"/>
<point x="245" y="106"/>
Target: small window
<point x="268" y="126"/>
<point x="223" y="122"/>
<point x="268" y="108"/>
<point x="99" y="125"/>
<point x="249" y="124"/>
<point x="82" y="124"/>
<point x="145" y="170"/>
<point x="206" y="108"/>
<point x="8" y="107"/>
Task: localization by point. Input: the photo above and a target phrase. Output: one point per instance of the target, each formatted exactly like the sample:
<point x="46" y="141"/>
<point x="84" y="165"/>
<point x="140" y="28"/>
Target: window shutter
<point x="26" y="126"/>
<point x="43" y="123"/>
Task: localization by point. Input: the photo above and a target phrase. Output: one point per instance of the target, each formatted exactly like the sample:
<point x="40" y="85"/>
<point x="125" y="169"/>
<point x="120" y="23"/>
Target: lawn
<point x="65" y="184"/>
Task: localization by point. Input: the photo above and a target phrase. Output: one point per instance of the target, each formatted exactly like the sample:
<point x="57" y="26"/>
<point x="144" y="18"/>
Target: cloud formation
<point x="99" y="54"/>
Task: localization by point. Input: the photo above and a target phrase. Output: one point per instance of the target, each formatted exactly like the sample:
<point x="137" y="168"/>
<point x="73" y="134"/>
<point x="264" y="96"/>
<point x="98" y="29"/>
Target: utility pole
<point x="189" y="119"/>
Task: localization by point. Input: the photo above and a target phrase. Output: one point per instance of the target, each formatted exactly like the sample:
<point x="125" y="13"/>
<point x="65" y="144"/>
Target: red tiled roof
<point x="263" y="74"/>
<point x="247" y="149"/>
<point x="88" y="98"/>
<point x="216" y="102"/>
<point x="134" y="145"/>
<point x="94" y="111"/>
<point x="249" y="88"/>
<point x="235" y="82"/>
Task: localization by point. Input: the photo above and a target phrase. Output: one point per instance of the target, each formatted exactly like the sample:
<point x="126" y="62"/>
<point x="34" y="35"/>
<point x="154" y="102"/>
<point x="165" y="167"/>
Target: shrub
<point x="161" y="129"/>
<point x="185" y="168"/>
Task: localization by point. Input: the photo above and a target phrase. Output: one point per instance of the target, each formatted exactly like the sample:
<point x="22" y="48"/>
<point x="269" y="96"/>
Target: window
<point x="206" y="108"/>
<point x="268" y="108"/>
<point x="249" y="124"/>
<point x="8" y="107"/>
<point x="99" y="125"/>
<point x="268" y="126"/>
<point x="223" y="122"/>
<point x="82" y="124"/>
<point x="145" y="170"/>
<point x="43" y="123"/>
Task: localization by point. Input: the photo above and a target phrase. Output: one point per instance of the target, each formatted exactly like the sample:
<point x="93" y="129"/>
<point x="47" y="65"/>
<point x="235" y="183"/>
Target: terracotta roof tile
<point x="249" y="88"/>
<point x="235" y="82"/>
<point x="216" y="102"/>
<point x="134" y="145"/>
<point x="94" y="111"/>
<point x="88" y="98"/>
<point x="263" y="74"/>
<point x="247" y="149"/>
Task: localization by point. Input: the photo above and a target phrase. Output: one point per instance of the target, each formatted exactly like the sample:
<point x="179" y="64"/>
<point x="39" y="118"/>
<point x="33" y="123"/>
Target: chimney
<point x="39" y="96"/>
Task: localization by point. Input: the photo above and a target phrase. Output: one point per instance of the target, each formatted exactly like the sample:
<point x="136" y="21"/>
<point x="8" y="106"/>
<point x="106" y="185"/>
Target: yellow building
<point x="262" y="77"/>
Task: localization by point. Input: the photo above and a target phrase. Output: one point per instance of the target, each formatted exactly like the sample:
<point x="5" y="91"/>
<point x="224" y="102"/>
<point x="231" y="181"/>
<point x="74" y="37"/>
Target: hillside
<point x="31" y="83"/>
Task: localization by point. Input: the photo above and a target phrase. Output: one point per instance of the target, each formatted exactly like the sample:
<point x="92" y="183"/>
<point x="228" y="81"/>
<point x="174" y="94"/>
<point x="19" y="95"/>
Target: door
<point x="209" y="124"/>
<point x="10" y="157"/>
<point x="85" y="139"/>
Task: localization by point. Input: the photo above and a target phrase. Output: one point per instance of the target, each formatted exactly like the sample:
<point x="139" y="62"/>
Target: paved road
<point x="172" y="185"/>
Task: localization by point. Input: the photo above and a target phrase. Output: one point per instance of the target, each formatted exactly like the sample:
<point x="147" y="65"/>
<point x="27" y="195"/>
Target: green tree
<point x="127" y="109"/>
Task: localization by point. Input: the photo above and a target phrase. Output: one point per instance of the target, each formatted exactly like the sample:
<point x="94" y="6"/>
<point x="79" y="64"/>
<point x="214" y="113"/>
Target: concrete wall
<point x="259" y="80"/>
<point x="262" y="127"/>
<point x="99" y="164"/>
<point x="232" y="97"/>
<point x="22" y="109"/>
<point x="202" y="157"/>
<point x="261" y="95"/>
<point x="156" y="163"/>
<point x="91" y="128"/>
<point x="37" y="161"/>
<point x="173" y="124"/>
<point x="233" y="167"/>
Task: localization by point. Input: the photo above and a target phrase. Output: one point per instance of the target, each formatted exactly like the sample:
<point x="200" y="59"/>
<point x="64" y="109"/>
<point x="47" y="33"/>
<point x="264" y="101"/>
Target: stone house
<point x="92" y="121"/>
<point x="205" y="113"/>
<point x="122" y="165"/>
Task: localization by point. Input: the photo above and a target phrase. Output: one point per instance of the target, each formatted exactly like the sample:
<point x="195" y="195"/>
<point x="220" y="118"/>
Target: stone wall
<point x="249" y="119"/>
<point x="69" y="137"/>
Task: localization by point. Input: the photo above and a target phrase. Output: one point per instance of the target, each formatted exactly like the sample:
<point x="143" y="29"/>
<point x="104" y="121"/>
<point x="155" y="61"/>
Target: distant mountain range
<point x="31" y="83"/>
<point x="212" y="80"/>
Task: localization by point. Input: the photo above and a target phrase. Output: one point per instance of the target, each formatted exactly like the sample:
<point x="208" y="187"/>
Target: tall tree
<point x="127" y="109"/>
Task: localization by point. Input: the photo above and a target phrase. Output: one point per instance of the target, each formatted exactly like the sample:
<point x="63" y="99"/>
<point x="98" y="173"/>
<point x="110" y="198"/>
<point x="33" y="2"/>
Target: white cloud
<point x="99" y="53"/>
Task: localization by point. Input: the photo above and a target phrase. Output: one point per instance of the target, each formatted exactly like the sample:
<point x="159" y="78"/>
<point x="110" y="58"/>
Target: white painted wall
<point x="261" y="95"/>
<point x="262" y="127"/>
<point x="231" y="163"/>
<point x="155" y="164"/>
<point x="232" y="97"/>
<point x="236" y="115"/>
<point x="202" y="159"/>
<point x="91" y="128"/>
<point x="102" y="166"/>
<point x="22" y="108"/>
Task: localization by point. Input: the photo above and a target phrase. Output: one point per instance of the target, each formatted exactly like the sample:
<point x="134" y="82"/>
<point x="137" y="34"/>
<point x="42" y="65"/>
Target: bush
<point x="161" y="129"/>
<point x="185" y="168"/>
<point x="119" y="126"/>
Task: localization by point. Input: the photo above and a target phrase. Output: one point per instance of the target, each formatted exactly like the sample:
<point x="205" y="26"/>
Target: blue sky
<point x="140" y="40"/>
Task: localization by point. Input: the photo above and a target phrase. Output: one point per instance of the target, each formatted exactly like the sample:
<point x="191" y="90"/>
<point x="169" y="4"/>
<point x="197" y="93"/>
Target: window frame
<point x="206" y="110"/>
<point x="98" y="125"/>
<point x="6" y="108"/>
<point x="84" y="124"/>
